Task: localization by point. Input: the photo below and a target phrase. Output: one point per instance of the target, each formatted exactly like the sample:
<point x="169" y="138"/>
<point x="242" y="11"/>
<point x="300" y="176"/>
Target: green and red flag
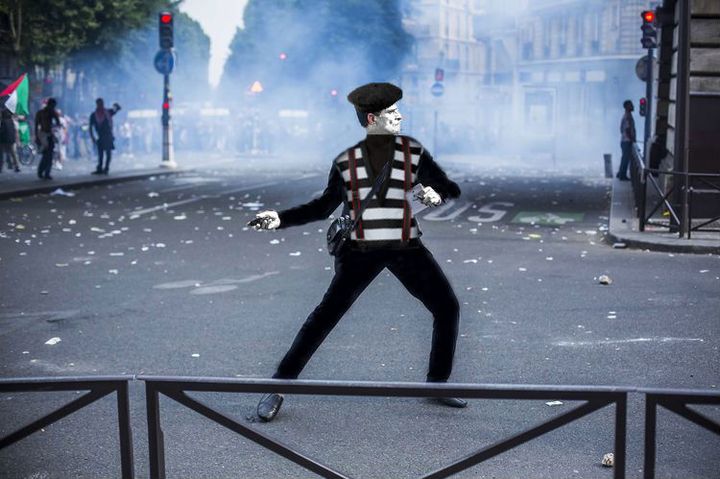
<point x="15" y="99"/>
<point x="15" y="96"/>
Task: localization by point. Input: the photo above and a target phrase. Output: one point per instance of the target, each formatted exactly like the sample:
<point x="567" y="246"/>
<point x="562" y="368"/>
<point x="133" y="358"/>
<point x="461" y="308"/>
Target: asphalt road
<point x="161" y="277"/>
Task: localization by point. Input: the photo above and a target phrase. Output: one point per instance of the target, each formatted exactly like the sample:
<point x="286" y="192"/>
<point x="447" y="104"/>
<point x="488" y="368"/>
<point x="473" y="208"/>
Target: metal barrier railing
<point x="176" y="388"/>
<point x="682" y="221"/>
<point x="677" y="402"/>
<point x="97" y="387"/>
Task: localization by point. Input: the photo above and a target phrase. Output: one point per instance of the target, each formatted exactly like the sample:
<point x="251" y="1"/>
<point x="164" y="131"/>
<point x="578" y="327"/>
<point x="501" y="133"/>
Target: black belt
<point x="383" y="245"/>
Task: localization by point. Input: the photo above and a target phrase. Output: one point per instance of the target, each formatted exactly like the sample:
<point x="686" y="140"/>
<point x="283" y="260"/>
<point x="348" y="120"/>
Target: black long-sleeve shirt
<point x="429" y="173"/>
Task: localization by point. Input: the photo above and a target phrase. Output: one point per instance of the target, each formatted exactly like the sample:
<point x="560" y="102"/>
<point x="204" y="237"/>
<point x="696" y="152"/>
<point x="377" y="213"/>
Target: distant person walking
<point x="627" y="132"/>
<point x="101" y="132"/>
<point x="8" y="141"/>
<point x="45" y="119"/>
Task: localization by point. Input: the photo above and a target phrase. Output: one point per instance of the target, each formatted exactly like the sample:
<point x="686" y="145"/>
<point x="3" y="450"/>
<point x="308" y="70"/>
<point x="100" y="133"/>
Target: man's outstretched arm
<point x="317" y="209"/>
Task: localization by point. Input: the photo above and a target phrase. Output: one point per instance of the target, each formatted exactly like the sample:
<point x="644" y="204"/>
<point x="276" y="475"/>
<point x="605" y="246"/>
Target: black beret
<point x="374" y="97"/>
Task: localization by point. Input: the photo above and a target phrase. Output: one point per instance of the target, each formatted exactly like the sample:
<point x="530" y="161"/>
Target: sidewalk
<point x="624" y="228"/>
<point x="76" y="173"/>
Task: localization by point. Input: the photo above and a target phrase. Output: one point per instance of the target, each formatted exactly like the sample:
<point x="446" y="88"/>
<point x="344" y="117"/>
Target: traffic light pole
<point x="168" y="153"/>
<point x="648" y="103"/>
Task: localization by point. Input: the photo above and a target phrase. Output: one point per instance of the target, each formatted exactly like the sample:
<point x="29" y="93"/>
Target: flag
<point x="15" y="96"/>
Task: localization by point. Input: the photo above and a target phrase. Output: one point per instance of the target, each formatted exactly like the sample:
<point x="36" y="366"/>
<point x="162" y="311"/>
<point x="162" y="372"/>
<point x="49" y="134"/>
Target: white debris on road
<point x="554" y="403"/>
<point x="605" y="279"/>
<point x="53" y="341"/>
<point x="61" y="192"/>
<point x="608" y="459"/>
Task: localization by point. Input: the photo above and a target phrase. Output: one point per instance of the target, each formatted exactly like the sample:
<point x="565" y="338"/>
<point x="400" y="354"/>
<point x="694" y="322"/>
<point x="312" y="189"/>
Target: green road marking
<point x="546" y="218"/>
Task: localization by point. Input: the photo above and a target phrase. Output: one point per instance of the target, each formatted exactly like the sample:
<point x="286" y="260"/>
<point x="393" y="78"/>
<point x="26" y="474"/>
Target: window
<point x="595" y="33"/>
<point x="579" y="34"/>
<point x="562" y="47"/>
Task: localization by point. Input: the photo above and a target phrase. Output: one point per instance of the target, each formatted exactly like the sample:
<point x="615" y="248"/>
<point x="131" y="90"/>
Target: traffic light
<point x="649" y="34"/>
<point x="643" y="106"/>
<point x="165" y="28"/>
<point x="439" y="74"/>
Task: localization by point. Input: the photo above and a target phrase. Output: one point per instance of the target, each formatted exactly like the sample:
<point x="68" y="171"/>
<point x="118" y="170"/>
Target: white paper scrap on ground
<point x="61" y="192"/>
<point x="554" y="403"/>
<point x="53" y="341"/>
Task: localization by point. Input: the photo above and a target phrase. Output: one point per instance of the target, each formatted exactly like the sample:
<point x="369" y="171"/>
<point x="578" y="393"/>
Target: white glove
<point x="269" y="220"/>
<point x="430" y="197"/>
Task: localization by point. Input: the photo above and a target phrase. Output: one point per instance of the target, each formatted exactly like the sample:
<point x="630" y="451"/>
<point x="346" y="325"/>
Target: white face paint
<point x="387" y="122"/>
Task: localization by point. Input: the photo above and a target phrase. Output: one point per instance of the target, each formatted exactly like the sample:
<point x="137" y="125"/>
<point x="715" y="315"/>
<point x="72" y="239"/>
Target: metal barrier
<point x="677" y="402"/>
<point x="98" y="387"/>
<point x="595" y="398"/>
<point x="176" y="388"/>
<point x="682" y="221"/>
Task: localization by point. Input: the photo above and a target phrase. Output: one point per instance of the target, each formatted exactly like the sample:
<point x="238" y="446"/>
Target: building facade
<point x="444" y="39"/>
<point x="576" y="64"/>
<point x="527" y="74"/>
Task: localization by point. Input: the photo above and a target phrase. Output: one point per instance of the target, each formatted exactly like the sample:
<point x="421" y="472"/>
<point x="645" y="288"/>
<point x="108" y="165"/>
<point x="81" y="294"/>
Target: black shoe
<point x="97" y="172"/>
<point x="623" y="178"/>
<point x="269" y="406"/>
<point x="48" y="177"/>
<point x="105" y="171"/>
<point x="450" y="402"/>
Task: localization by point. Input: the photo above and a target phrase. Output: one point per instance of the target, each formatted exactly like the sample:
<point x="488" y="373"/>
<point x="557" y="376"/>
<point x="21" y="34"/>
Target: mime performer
<point x="387" y="236"/>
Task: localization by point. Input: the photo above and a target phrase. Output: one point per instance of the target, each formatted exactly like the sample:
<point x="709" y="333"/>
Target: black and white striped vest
<point x="393" y="219"/>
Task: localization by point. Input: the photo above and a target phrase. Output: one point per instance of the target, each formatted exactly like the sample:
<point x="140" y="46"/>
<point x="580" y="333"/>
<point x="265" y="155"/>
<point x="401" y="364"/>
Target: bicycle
<point x="27" y="154"/>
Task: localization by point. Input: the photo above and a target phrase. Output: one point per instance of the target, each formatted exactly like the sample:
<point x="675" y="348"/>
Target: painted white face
<point x="387" y="122"/>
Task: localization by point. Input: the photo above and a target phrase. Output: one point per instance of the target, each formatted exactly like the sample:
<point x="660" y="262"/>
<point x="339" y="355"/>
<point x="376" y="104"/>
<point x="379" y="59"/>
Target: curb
<point x="83" y="182"/>
<point x="624" y="218"/>
<point x="638" y="243"/>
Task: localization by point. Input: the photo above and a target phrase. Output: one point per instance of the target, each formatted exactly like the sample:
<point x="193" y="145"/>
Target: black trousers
<point x="626" y="159"/>
<point x="108" y="157"/>
<point x="416" y="269"/>
<point x="46" y="160"/>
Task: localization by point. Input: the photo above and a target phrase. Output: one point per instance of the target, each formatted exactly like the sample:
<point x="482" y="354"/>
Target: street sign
<point x="641" y="68"/>
<point x="437" y="89"/>
<point x="164" y="61"/>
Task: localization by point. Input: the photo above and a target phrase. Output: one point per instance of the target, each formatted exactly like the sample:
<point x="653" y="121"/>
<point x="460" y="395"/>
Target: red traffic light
<point x="165" y="17"/>
<point x="648" y="16"/>
<point x="643" y="101"/>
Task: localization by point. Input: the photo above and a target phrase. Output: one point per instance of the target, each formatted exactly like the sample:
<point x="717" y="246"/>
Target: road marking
<point x="489" y="209"/>
<point x="546" y="218"/>
<point x="436" y="214"/>
<point x="627" y="341"/>
<point x="137" y="213"/>
<point x="182" y="187"/>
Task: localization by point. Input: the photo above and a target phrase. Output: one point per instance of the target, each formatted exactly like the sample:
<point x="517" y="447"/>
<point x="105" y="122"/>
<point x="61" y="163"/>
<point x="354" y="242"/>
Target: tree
<point x="46" y="32"/>
<point x="327" y="45"/>
<point x="102" y="48"/>
<point x="128" y="72"/>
